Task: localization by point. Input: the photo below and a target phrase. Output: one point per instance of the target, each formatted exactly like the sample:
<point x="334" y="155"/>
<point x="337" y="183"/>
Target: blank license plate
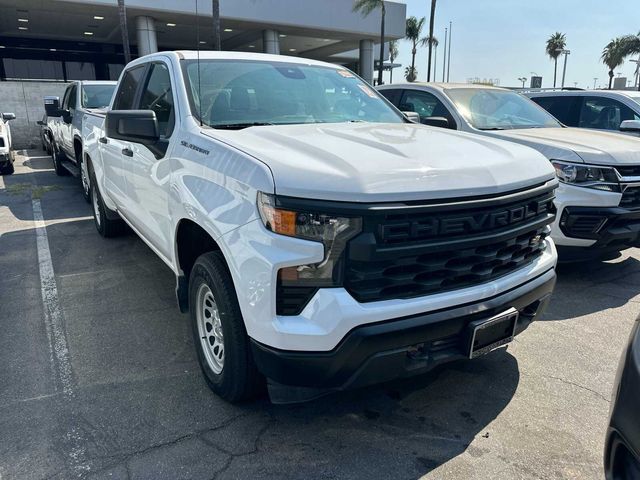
<point x="489" y="334"/>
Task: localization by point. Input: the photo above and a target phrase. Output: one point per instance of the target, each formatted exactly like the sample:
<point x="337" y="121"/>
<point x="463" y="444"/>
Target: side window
<point x="604" y="113"/>
<point x="73" y="98"/>
<point x="65" y="100"/>
<point x="393" y="95"/>
<point x="158" y="96"/>
<point x="426" y="105"/>
<point x="565" y="108"/>
<point x="126" y="94"/>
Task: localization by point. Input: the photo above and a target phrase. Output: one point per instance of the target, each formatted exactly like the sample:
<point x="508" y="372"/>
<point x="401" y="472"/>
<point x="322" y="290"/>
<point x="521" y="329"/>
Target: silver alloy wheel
<point x="210" y="328"/>
<point x="85" y="179"/>
<point x="96" y="207"/>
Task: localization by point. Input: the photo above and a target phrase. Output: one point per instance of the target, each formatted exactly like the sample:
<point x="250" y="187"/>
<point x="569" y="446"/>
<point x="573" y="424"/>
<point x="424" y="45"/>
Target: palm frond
<point x="365" y="7"/>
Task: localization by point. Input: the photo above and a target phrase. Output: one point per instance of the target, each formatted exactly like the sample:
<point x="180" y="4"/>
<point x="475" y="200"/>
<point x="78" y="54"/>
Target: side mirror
<point x="136" y="126"/>
<point x="630" y="126"/>
<point x="441" y="122"/>
<point x="8" y="116"/>
<point x="412" y="116"/>
<point x="52" y="106"/>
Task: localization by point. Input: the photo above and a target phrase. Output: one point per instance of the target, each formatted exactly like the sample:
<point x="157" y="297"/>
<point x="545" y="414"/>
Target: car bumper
<point x="4" y="158"/>
<point x="624" y="426"/>
<point x="610" y="230"/>
<point x="386" y="350"/>
<point x="255" y="255"/>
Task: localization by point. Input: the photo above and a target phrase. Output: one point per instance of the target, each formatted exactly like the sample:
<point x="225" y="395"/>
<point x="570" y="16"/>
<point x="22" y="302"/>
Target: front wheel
<point x="107" y="227"/>
<point x="219" y="333"/>
<point x="7" y="168"/>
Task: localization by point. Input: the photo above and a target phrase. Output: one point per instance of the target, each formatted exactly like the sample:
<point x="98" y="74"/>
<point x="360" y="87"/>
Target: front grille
<point x="630" y="197"/>
<point x="629" y="170"/>
<point x="411" y="251"/>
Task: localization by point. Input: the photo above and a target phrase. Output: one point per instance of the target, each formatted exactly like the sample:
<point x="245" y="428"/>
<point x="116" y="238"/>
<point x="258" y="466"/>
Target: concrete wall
<point x="25" y="100"/>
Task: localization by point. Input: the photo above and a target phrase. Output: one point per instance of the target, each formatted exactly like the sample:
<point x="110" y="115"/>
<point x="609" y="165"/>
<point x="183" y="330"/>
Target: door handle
<point x="103" y="140"/>
<point x="128" y="152"/>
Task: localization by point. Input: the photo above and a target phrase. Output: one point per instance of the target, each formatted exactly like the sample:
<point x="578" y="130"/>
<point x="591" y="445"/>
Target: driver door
<point x="149" y="176"/>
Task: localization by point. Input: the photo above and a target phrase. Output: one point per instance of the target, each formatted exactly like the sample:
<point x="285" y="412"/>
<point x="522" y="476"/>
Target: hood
<point x="577" y="144"/>
<point x="369" y="162"/>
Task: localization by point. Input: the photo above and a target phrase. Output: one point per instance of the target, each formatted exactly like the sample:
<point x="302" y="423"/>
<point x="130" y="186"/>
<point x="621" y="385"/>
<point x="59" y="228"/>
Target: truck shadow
<point x="402" y="429"/>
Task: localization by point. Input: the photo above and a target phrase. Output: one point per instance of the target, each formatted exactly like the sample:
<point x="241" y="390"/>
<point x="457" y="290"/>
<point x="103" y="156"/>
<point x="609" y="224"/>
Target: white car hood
<point x="369" y="162"/>
<point x="578" y="144"/>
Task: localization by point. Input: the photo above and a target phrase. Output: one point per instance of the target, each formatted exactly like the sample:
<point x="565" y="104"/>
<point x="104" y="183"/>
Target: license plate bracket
<point x="491" y="333"/>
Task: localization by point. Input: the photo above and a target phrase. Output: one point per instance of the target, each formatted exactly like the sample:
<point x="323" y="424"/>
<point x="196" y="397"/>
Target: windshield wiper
<point x="492" y="128"/>
<point x="240" y="126"/>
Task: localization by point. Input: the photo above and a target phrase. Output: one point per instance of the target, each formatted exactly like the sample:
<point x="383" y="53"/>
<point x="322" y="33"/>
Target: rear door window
<point x="565" y="108"/>
<point x="393" y="95"/>
<point x="426" y="105"/>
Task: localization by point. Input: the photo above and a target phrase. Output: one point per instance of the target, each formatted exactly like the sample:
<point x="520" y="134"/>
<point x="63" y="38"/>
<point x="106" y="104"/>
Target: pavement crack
<point x="569" y="382"/>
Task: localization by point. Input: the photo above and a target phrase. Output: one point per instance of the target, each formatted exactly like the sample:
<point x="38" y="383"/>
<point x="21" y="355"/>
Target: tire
<point x="58" y="157"/>
<point x="216" y="320"/>
<point x="85" y="182"/>
<point x="107" y="227"/>
<point x="7" y="169"/>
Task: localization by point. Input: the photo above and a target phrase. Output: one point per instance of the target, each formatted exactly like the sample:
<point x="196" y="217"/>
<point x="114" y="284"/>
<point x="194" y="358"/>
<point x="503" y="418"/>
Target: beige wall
<point x="25" y="99"/>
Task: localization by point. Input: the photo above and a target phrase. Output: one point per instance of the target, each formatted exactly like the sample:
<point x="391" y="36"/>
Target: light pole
<point x="595" y="79"/>
<point x="523" y="80"/>
<point x="564" y="69"/>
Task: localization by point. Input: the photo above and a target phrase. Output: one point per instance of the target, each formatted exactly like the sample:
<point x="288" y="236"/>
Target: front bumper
<point x="624" y="426"/>
<point x="611" y="229"/>
<point x="385" y="350"/>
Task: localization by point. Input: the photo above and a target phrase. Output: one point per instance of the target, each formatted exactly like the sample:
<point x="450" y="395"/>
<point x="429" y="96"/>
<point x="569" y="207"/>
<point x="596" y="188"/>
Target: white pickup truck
<point x="318" y="238"/>
<point x="6" y="147"/>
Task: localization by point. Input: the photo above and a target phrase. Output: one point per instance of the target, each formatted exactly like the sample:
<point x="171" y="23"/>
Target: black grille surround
<point x="415" y="250"/>
<point x="630" y="197"/>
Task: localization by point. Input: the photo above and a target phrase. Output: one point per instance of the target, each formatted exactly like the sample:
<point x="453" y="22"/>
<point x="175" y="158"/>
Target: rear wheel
<point x="107" y="227"/>
<point x="86" y="182"/>
<point x="219" y="333"/>
<point x="58" y="157"/>
<point x="7" y="168"/>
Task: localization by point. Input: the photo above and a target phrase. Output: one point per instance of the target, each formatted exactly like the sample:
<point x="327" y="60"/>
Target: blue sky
<point x="505" y="39"/>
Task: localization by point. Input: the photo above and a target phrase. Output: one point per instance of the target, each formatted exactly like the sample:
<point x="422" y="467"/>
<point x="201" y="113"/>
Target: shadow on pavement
<point x="604" y="284"/>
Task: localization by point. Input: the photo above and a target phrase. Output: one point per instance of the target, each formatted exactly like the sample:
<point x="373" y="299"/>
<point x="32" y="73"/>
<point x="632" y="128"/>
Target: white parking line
<point x="54" y="325"/>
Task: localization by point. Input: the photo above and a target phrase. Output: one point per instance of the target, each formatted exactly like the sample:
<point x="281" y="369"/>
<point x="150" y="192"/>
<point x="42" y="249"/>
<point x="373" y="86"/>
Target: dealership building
<point x="82" y="39"/>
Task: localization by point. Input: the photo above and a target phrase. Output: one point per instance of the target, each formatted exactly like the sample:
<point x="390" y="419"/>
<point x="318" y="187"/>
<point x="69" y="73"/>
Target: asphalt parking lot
<point x="99" y="378"/>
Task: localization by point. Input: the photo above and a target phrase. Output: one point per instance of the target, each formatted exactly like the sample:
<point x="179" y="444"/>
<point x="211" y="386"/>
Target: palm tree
<point x="431" y="42"/>
<point x="431" y="20"/>
<point x="413" y="31"/>
<point x="393" y="54"/>
<point x="555" y="44"/>
<point x="631" y="46"/>
<point x="365" y="7"/>
<point x="216" y="44"/>
<point x="410" y="73"/>
<point x="122" y="11"/>
<point x="613" y="56"/>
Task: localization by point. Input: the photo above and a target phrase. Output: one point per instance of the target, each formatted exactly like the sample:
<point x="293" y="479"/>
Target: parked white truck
<point x="6" y="146"/>
<point x="318" y="238"/>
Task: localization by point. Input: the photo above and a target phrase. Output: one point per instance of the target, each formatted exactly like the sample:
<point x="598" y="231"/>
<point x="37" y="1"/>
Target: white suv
<point x="598" y="200"/>
<point x="610" y="110"/>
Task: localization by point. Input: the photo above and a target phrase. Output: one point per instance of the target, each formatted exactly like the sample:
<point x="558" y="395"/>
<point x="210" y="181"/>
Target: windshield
<point x="635" y="97"/>
<point x="499" y="109"/>
<point x="237" y="94"/>
<point x="97" y="96"/>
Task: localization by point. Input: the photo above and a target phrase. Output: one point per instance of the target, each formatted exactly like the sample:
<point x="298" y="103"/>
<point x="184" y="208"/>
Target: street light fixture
<point x="564" y="70"/>
<point x="595" y="79"/>
<point x="523" y="80"/>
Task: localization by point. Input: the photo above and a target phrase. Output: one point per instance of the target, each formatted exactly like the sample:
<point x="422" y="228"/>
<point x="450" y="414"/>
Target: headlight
<point x="590" y="176"/>
<point x="333" y="231"/>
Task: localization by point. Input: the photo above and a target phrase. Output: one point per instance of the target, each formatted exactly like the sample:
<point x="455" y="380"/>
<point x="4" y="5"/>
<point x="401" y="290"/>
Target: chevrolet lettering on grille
<point x="463" y="224"/>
